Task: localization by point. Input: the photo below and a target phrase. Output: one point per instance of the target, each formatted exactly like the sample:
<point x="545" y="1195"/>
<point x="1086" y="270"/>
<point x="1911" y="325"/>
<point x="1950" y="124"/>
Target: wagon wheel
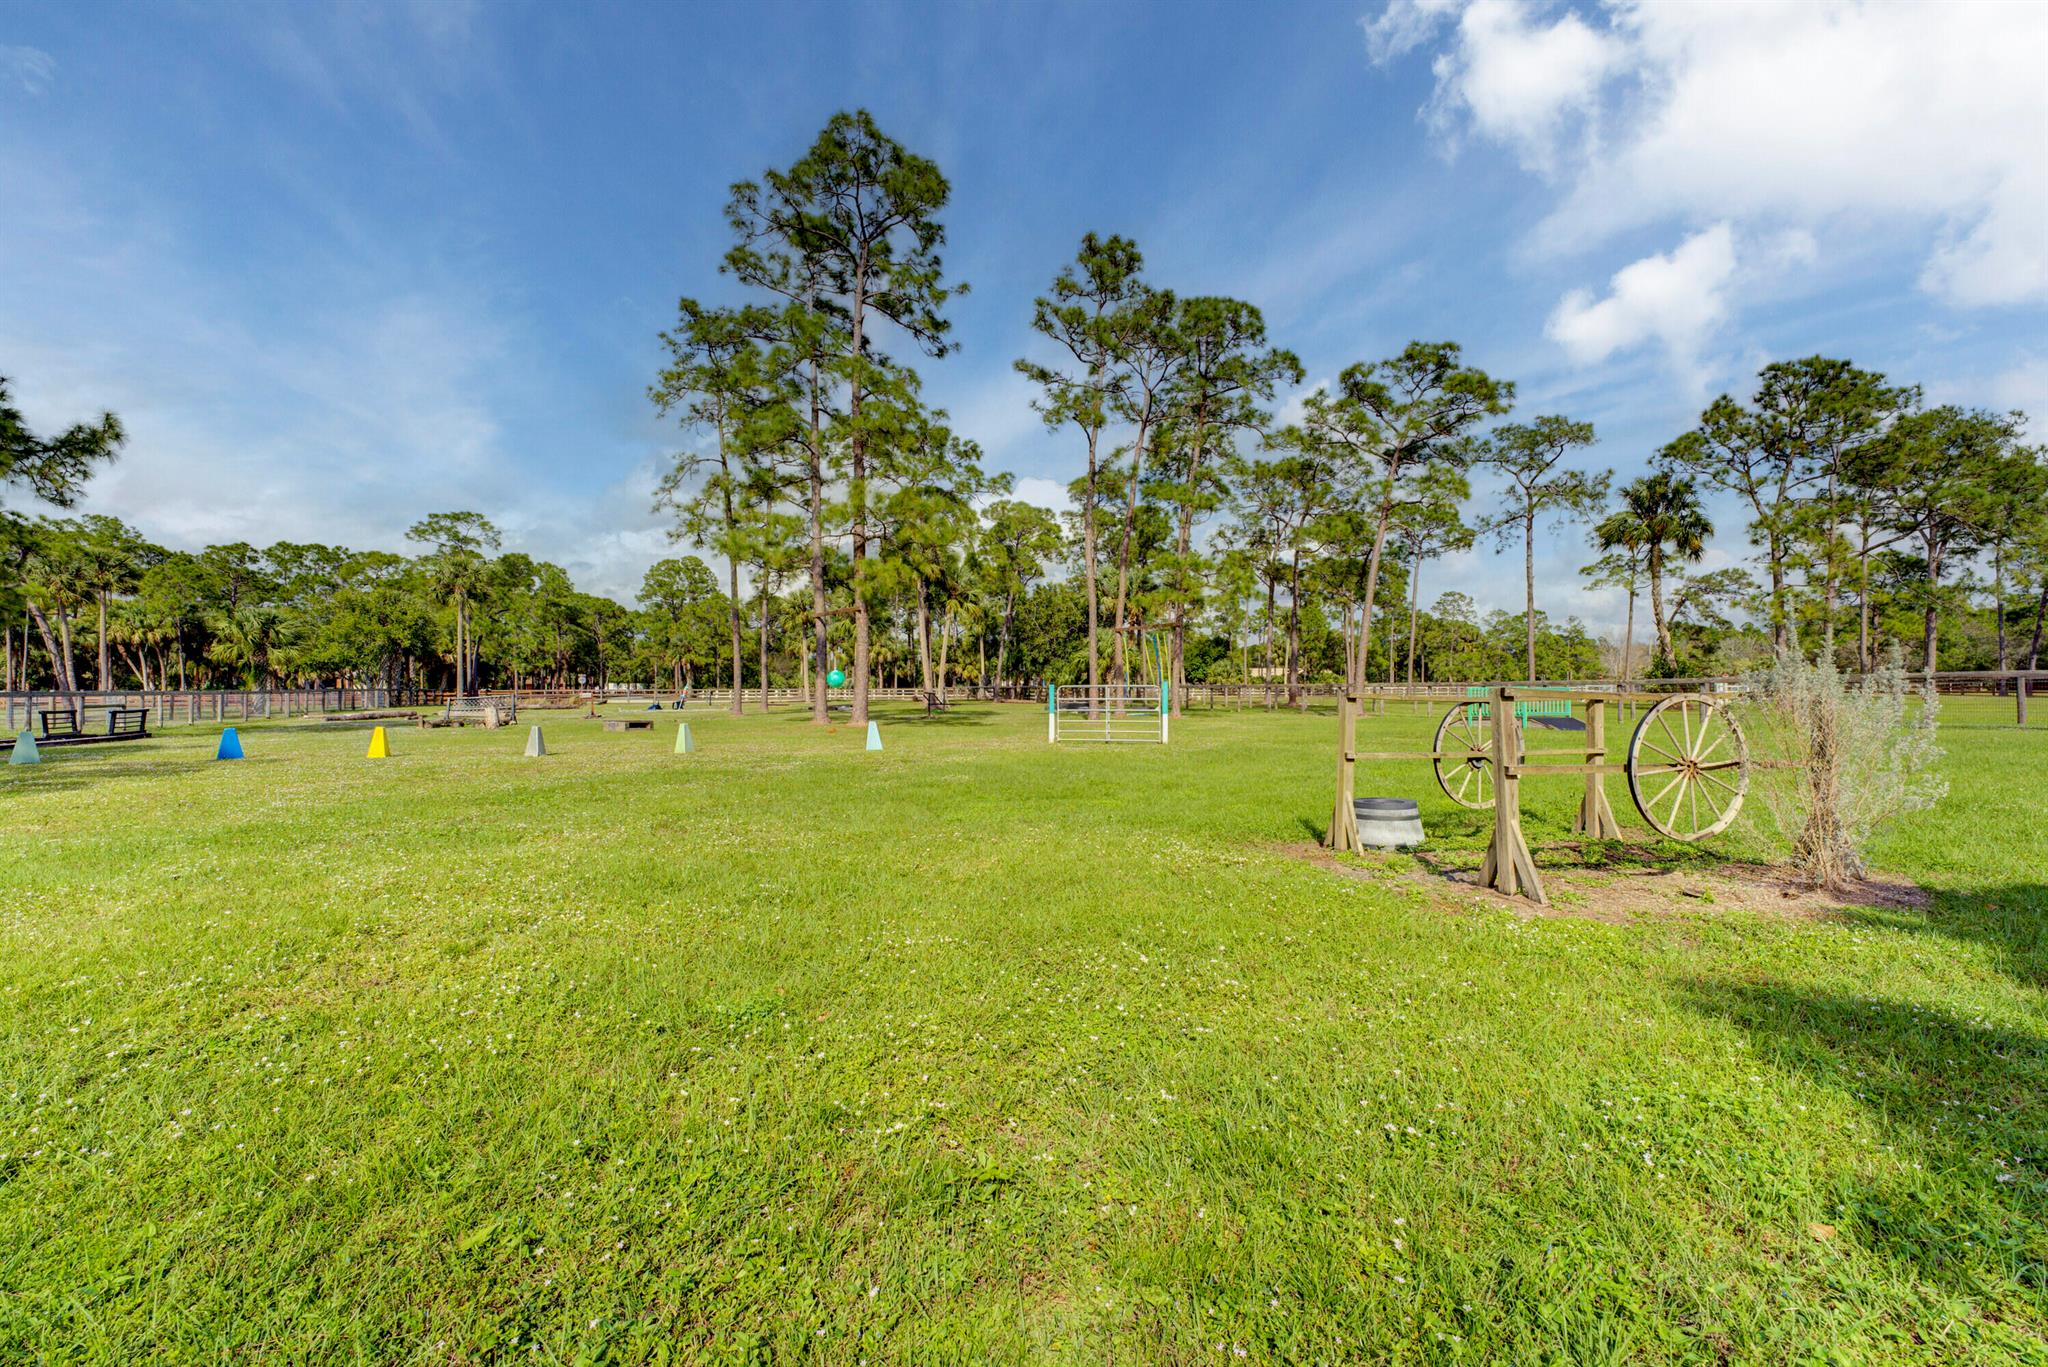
<point x="1467" y="781"/>
<point x="1688" y="767"/>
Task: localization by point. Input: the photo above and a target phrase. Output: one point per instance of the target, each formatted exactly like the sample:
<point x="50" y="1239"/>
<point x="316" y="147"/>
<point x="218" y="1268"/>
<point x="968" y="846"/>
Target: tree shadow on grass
<point x="1957" y="1191"/>
<point x="2012" y="922"/>
<point x="950" y="717"/>
<point x="81" y="768"/>
<point x="895" y="713"/>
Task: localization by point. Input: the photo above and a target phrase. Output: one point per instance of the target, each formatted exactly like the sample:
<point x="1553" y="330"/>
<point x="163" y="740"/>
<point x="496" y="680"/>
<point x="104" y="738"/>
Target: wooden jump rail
<point x="1487" y="764"/>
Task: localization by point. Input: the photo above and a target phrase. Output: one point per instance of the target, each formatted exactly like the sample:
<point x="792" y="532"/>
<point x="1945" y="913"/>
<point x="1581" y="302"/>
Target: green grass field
<point x="980" y="1050"/>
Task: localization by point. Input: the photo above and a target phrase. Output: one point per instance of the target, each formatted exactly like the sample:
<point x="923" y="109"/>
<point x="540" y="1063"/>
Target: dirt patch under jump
<point x="1627" y="882"/>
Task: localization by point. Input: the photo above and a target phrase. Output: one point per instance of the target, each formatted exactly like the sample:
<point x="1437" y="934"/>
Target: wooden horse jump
<point x="1483" y="768"/>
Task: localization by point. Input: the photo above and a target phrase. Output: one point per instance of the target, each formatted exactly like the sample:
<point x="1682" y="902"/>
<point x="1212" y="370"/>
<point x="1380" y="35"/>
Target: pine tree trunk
<point x="2033" y="649"/>
<point x="1414" y="609"/>
<point x="1628" y="638"/>
<point x="1930" y="621"/>
<point x="857" y="495"/>
<point x="1829" y="597"/>
<point x="815" y="684"/>
<point x="1781" y="617"/>
<point x="1372" y="573"/>
<point x="1088" y="573"/>
<point x="1863" y="608"/>
<point x="924" y="637"/>
<point x="1183" y="543"/>
<point x="1998" y="601"/>
<point x="1123" y="562"/>
<point x="1529" y="587"/>
<point x="739" y="705"/>
<point x="764" y="643"/>
<point x="1271" y="594"/>
<point x="1294" y="630"/>
<point x="1003" y="641"/>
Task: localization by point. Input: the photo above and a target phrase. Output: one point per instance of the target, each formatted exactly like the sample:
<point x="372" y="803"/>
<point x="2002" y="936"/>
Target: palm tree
<point x="1622" y="535"/>
<point x="1661" y="517"/>
<point x="56" y="577"/>
<point x="134" y="629"/>
<point x="458" y="570"/>
<point x="244" y="638"/>
<point x="107" y="554"/>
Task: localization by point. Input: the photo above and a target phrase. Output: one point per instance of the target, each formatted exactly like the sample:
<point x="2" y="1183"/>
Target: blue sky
<point x="340" y="266"/>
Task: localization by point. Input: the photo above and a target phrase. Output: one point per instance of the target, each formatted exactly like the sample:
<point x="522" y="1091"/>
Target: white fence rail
<point x="1107" y="712"/>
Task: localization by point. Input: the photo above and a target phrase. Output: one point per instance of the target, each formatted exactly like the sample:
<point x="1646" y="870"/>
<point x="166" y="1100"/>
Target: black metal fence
<point x="186" y="707"/>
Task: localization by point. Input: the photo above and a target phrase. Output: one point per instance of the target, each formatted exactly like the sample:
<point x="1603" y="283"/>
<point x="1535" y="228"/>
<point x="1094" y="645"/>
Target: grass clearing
<point x="981" y="1049"/>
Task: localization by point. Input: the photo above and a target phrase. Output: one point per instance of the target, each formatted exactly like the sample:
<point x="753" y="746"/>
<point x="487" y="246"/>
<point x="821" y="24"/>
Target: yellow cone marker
<point x="378" y="748"/>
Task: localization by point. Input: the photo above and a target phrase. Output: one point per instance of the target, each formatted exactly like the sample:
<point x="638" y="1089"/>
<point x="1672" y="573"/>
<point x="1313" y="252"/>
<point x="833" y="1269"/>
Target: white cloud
<point x="1924" y="118"/>
<point x="1792" y="249"/>
<point x="28" y="69"/>
<point x="1294" y="407"/>
<point x="1403" y="26"/>
<point x="2024" y="386"/>
<point x="1520" y="81"/>
<point x="1677" y="298"/>
<point x="1046" y="493"/>
<point x="2003" y="257"/>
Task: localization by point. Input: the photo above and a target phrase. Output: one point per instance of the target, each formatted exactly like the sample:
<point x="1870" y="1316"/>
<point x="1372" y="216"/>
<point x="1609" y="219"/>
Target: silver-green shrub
<point x="1859" y="751"/>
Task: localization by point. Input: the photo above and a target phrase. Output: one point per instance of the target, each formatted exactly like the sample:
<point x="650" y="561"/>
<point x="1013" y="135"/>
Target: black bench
<point x="60" y="726"/>
<point x="934" y="703"/>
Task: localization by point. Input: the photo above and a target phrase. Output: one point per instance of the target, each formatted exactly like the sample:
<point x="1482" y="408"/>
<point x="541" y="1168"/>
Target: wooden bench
<point x="60" y="725"/>
<point x="628" y="724"/>
<point x="488" y="711"/>
<point x="128" y="723"/>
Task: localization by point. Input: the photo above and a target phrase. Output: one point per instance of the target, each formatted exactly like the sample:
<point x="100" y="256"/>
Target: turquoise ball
<point x="836" y="679"/>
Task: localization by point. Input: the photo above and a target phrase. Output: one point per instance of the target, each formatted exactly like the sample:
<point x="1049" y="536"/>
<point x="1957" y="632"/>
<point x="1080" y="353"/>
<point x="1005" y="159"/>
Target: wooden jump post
<point x="1343" y="834"/>
<point x="1595" y="817"/>
<point x="1509" y="868"/>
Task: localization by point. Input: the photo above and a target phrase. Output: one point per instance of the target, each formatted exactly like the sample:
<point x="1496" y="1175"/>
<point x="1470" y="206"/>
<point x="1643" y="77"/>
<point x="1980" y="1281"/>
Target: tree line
<point x="1257" y="532"/>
